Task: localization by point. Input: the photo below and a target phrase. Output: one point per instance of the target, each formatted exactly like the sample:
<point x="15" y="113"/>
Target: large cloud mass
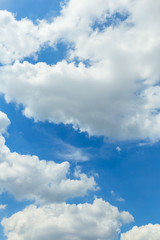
<point x="27" y="177"/>
<point x="147" y="232"/>
<point x="99" y="220"/>
<point x="117" y="94"/>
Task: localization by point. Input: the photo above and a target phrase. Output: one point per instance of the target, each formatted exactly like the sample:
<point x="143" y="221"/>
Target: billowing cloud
<point x="27" y="177"/>
<point x="99" y="220"/>
<point x="117" y="93"/>
<point x="18" y="39"/>
<point x="147" y="232"/>
<point x="24" y="38"/>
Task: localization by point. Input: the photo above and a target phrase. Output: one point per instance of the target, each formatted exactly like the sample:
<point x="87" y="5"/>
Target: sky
<point x="79" y="120"/>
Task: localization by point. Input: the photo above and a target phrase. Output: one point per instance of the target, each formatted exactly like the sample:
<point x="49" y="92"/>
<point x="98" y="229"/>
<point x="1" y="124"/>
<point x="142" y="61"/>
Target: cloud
<point x="3" y="206"/>
<point x="73" y="154"/>
<point x="147" y="232"/>
<point x="120" y="199"/>
<point x="23" y="38"/>
<point x="116" y="197"/>
<point x="27" y="177"/>
<point x="18" y="39"/>
<point x="116" y="94"/>
<point x="99" y="220"/>
<point x="4" y="122"/>
<point x="118" y="149"/>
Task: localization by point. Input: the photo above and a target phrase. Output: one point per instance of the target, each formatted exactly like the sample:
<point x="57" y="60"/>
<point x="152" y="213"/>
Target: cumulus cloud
<point x="117" y="93"/>
<point x="147" y="232"/>
<point x="99" y="220"/>
<point x="27" y="177"/>
<point x="74" y="25"/>
<point x="18" y="39"/>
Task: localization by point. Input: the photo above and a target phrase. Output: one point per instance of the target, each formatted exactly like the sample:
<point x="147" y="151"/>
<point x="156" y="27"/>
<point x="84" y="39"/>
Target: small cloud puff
<point x="3" y="206"/>
<point x="118" y="149"/>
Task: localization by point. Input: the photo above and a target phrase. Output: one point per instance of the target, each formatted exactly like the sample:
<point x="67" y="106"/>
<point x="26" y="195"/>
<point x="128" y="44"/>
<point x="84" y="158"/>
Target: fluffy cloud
<point x="117" y="94"/>
<point x="147" y="232"/>
<point x="18" y="39"/>
<point x="27" y="177"/>
<point x="74" y="25"/>
<point x="23" y="38"/>
<point x="99" y="220"/>
<point x="69" y="94"/>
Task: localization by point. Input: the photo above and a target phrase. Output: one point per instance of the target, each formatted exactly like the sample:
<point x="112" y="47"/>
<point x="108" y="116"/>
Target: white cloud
<point x="4" y="122"/>
<point x="27" y="177"/>
<point x="23" y="38"/>
<point x="3" y="206"/>
<point x="147" y="232"/>
<point x="112" y="192"/>
<point x="99" y="220"/>
<point x="73" y="154"/>
<point x="117" y="95"/>
<point x="18" y="39"/>
<point x="75" y="22"/>
<point x="120" y="199"/>
<point x="118" y="149"/>
<point x="115" y="196"/>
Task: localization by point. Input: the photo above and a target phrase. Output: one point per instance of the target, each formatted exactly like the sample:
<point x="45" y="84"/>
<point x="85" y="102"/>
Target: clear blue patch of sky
<point x="13" y="205"/>
<point x="114" y="20"/>
<point x="52" y="55"/>
<point x="37" y="9"/>
<point x="49" y="55"/>
<point x="134" y="174"/>
<point x="86" y="62"/>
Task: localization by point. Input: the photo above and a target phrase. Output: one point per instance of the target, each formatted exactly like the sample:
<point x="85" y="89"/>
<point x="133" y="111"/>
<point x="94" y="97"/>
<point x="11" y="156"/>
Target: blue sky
<point x="79" y="120"/>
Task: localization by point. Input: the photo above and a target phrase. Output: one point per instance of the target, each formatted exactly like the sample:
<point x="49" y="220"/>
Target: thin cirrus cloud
<point x="18" y="38"/>
<point x="72" y="154"/>
<point x="98" y="220"/>
<point x="120" y="83"/>
<point x="27" y="177"/>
